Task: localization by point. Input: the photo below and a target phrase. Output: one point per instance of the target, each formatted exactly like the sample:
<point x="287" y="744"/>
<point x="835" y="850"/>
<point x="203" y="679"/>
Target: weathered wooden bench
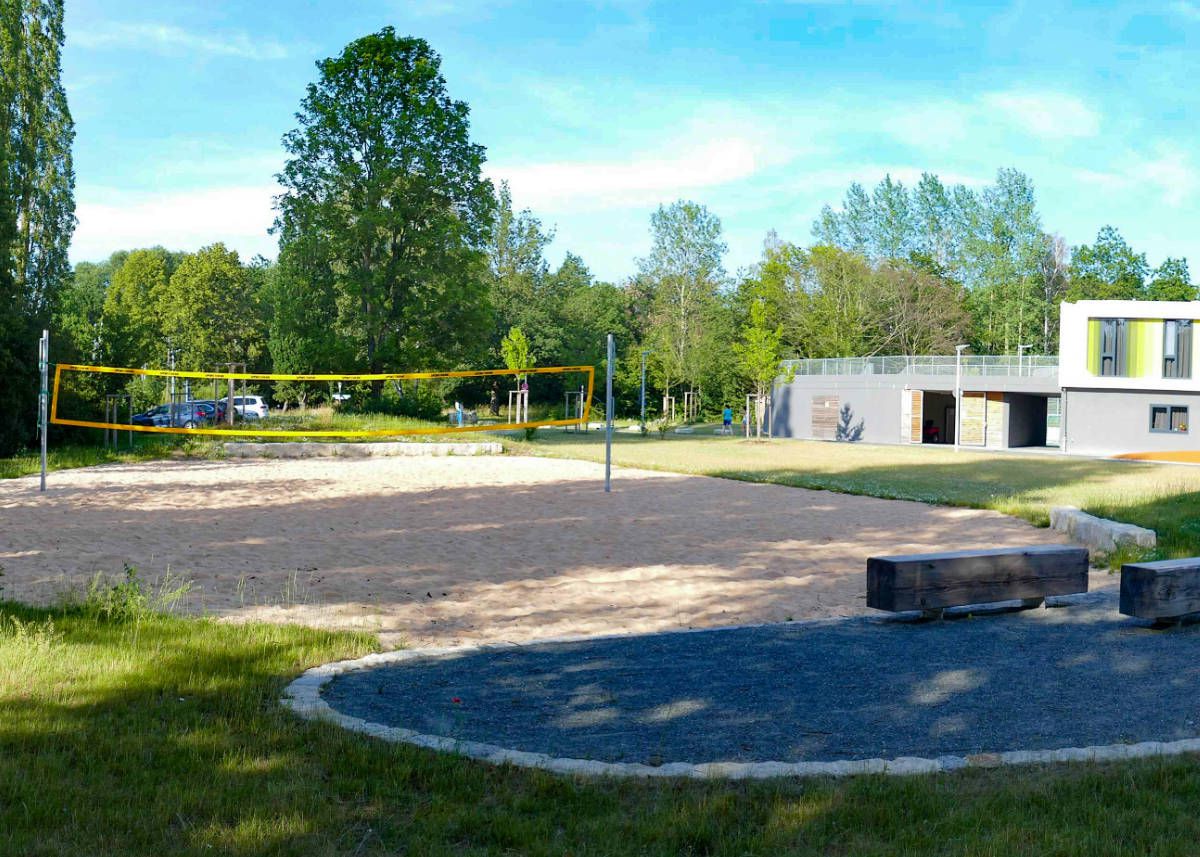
<point x="931" y="582"/>
<point x="1163" y="591"/>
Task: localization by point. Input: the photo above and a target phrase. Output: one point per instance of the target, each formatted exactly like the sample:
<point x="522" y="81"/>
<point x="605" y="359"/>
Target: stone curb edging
<point x="1099" y="534"/>
<point x="293" y="449"/>
<point x="303" y="696"/>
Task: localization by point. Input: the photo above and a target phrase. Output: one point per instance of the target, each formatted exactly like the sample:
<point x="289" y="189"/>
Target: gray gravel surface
<point x="1077" y="675"/>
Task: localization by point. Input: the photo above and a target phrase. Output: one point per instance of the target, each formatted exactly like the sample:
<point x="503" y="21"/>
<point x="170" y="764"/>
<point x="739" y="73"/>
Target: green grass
<point x="1163" y="497"/>
<point x="127" y="732"/>
<point x="85" y="455"/>
<point x="159" y="735"/>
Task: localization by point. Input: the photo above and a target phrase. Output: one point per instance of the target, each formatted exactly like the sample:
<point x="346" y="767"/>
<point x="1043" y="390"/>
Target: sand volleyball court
<point x="433" y="551"/>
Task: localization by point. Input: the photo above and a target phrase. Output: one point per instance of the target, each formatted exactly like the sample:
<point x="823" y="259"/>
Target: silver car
<point x="248" y="407"/>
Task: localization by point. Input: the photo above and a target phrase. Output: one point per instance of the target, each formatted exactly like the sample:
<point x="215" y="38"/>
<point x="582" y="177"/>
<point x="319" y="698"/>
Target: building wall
<point x="1078" y="332"/>
<point x="874" y="414"/>
<point x="1114" y="422"/>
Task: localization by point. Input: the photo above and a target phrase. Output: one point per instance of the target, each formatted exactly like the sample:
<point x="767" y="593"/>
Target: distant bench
<point x="931" y="582"/>
<point x="1163" y="591"/>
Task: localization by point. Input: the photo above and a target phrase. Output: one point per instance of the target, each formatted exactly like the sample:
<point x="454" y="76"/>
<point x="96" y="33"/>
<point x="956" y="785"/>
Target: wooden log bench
<point x="931" y="582"/>
<point x="1163" y="591"/>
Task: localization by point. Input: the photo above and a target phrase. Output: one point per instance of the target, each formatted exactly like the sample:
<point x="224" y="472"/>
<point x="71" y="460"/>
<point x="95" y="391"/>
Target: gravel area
<point x="845" y="689"/>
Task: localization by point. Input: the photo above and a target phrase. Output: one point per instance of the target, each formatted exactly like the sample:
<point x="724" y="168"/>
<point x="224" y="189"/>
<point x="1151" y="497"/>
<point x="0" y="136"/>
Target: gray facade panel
<point x="1108" y="422"/>
<point x="876" y="409"/>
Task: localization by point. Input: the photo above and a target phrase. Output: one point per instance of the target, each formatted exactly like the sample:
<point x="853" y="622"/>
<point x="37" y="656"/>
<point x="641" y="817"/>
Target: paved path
<point x="846" y="689"/>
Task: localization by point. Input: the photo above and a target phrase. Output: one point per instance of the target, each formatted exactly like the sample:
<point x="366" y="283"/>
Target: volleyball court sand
<point x="441" y="551"/>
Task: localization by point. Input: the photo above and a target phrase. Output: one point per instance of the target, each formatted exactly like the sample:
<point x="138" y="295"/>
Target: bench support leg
<point x="933" y="613"/>
<point x="1029" y="603"/>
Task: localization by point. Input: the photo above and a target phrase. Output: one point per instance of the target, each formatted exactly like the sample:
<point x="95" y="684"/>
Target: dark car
<point x="179" y="415"/>
<point x="214" y="412"/>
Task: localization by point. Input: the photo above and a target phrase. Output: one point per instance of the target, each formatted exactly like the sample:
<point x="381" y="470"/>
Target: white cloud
<point x="167" y="38"/>
<point x="1168" y="174"/>
<point x="1049" y="115"/>
<point x="237" y="215"/>
<point x="641" y="180"/>
<point x="1172" y="173"/>
<point x="937" y="124"/>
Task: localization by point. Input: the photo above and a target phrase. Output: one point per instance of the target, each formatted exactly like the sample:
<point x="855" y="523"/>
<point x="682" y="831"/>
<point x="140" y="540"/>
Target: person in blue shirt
<point x="727" y="417"/>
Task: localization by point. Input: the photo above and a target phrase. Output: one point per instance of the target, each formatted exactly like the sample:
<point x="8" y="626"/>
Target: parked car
<point x="214" y="412"/>
<point x="179" y="415"/>
<point x="248" y="407"/>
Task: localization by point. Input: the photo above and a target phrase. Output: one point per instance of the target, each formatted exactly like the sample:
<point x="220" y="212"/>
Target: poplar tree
<point x="37" y="204"/>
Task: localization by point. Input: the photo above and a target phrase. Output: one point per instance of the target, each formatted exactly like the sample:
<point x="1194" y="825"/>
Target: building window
<point x="1112" y="346"/>
<point x="1177" y="348"/>
<point x="1169" y="419"/>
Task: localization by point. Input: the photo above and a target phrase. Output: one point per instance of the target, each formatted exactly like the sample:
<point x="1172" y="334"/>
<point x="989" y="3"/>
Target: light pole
<point x="958" y="350"/>
<point x="1020" y="365"/>
<point x="644" y="353"/>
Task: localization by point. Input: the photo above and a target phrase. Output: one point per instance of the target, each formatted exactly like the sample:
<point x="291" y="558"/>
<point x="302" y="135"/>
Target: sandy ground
<point x="450" y="550"/>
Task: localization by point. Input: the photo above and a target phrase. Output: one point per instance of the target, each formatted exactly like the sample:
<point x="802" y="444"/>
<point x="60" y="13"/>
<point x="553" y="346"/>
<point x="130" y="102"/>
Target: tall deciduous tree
<point x="1171" y="282"/>
<point x="1108" y="269"/>
<point x="758" y="353"/>
<point x="384" y="180"/>
<point x="37" y="204"/>
<point x="132" y="318"/>
<point x="685" y="271"/>
<point x="301" y="310"/>
<point x="522" y="292"/>
<point x="209" y="312"/>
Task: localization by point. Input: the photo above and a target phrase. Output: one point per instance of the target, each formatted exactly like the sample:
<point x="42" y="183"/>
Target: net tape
<point x="378" y="376"/>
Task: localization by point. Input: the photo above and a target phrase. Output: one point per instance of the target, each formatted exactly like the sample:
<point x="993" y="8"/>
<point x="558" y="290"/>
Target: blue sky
<point x="596" y="112"/>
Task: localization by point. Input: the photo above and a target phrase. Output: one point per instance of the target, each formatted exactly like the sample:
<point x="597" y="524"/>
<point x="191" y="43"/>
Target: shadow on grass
<point x="1142" y="493"/>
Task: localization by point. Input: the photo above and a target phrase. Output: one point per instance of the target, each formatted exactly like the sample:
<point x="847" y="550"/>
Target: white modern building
<point x="1124" y="384"/>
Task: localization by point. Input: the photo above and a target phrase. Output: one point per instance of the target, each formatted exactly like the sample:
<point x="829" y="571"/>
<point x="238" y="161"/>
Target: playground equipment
<point x="573" y="406"/>
<point x="668" y="408"/>
<point x="518" y="402"/>
<point x="112" y="407"/>
<point x="691" y="405"/>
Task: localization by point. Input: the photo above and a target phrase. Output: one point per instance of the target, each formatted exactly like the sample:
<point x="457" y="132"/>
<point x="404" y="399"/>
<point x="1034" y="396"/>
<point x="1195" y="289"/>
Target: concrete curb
<point x="357" y="450"/>
<point x="1099" y="534"/>
<point x="303" y="696"/>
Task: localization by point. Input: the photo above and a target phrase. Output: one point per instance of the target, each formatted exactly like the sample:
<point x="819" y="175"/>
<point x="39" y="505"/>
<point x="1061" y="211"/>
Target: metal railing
<point x="973" y="365"/>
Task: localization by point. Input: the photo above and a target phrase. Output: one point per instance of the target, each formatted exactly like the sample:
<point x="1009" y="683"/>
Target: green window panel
<point x="1141" y="335"/>
<point x="1093" y="346"/>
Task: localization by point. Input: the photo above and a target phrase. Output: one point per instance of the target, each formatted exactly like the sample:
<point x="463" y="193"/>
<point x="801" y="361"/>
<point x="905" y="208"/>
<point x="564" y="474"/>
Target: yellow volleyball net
<point x="241" y="404"/>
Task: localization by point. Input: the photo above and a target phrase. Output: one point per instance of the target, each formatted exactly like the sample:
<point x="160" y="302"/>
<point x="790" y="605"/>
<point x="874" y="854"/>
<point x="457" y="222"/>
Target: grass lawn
<point x="82" y="455"/>
<point x="155" y="735"/>
<point x="139" y="733"/>
<point x="1163" y="497"/>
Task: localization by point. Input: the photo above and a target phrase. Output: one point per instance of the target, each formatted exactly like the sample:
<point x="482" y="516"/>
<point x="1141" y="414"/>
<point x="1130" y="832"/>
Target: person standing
<point x="727" y="419"/>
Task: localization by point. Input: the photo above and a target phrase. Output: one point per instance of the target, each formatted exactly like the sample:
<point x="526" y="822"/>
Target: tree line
<point x="396" y="254"/>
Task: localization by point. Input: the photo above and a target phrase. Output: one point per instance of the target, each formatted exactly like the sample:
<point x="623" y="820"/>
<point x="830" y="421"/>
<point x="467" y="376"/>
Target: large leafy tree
<point x="384" y="184"/>
<point x="132" y="317"/>
<point x="37" y="205"/>
<point x="209" y="312"/>
<point x="1109" y="269"/>
<point x="1171" y="282"/>
<point x="301" y="305"/>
